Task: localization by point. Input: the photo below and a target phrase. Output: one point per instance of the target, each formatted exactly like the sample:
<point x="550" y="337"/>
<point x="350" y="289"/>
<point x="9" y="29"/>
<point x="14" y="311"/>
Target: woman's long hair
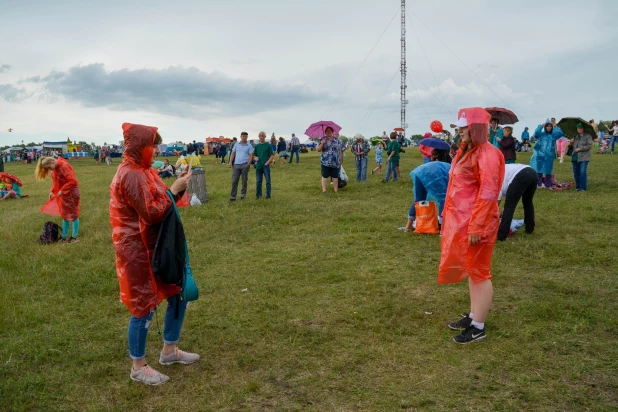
<point x="42" y="167"/>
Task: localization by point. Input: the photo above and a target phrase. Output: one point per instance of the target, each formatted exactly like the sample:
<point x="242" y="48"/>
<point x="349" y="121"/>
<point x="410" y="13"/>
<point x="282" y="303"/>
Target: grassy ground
<point x="333" y="316"/>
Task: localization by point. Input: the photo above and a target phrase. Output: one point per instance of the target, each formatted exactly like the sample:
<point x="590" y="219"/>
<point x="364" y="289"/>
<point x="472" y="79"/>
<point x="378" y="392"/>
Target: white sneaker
<point x="178" y="356"/>
<point x="149" y="376"/>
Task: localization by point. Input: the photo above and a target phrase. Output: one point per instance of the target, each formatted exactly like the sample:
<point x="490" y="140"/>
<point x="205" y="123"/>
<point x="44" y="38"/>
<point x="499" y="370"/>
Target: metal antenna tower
<point x="403" y="69"/>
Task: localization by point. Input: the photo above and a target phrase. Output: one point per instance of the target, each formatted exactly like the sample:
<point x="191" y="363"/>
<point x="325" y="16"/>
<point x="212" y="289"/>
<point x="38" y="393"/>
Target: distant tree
<point x="604" y="125"/>
<point x="416" y="137"/>
<point x="87" y="147"/>
<point x="32" y="144"/>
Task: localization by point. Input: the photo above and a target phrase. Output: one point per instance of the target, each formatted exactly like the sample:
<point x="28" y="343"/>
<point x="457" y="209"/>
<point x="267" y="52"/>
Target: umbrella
<point x="569" y="126"/>
<point x="4" y="175"/>
<point x="435" y="143"/>
<point x="504" y="116"/>
<point x="399" y="129"/>
<point x="317" y="130"/>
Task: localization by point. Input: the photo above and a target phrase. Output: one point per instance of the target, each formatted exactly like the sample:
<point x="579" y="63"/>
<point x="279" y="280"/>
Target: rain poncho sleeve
<point x="544" y="150"/>
<point x="471" y="206"/>
<point x="138" y="204"/>
<point x="485" y="215"/>
<point x="68" y="204"/>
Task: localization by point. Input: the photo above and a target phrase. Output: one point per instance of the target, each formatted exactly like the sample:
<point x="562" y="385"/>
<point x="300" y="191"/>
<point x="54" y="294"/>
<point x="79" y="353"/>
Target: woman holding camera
<point x="139" y="201"/>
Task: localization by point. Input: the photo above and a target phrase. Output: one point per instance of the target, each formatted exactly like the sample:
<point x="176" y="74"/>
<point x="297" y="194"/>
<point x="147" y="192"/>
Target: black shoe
<point x="462" y="323"/>
<point x="383" y="181"/>
<point x="470" y="334"/>
<point x="267" y="197"/>
<point x="232" y="200"/>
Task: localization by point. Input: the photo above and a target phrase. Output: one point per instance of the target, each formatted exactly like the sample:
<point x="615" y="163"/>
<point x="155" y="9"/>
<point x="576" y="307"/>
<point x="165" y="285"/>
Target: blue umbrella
<point x="435" y="143"/>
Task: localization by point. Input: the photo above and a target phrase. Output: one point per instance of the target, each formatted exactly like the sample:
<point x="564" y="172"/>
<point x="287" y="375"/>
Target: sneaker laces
<point x="148" y="370"/>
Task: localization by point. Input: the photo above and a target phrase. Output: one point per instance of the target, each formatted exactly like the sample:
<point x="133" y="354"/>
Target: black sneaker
<point x="470" y="334"/>
<point x="462" y="323"/>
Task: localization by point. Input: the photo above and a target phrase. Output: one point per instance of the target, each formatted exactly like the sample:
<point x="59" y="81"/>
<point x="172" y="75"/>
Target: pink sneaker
<point x="178" y="356"/>
<point x="149" y="376"/>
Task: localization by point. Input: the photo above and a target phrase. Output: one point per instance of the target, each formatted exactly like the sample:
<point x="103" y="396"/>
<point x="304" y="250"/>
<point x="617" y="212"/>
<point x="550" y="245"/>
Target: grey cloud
<point x="179" y="91"/>
<point x="11" y="93"/>
<point x="5" y="68"/>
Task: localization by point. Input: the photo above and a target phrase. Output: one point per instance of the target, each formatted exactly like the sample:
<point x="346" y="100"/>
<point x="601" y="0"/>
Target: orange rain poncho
<point x="64" y="180"/>
<point x="471" y="205"/>
<point x="138" y="203"/>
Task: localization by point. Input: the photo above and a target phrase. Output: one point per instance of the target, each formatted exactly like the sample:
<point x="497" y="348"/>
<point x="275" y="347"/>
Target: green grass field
<point x="333" y="316"/>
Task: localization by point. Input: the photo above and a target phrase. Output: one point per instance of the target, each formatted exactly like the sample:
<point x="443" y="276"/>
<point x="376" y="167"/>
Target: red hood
<point x="478" y="123"/>
<point x="138" y="143"/>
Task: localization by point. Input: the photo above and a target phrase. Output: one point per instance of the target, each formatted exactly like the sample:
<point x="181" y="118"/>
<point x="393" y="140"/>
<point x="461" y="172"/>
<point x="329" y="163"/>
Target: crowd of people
<point x="461" y="187"/>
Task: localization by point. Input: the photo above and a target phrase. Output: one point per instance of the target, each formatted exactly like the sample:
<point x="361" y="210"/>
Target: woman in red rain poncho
<point x="471" y="220"/>
<point x="139" y="201"/>
<point x="64" y="198"/>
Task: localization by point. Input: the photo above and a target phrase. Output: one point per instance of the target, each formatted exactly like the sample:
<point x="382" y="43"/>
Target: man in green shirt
<point x="393" y="158"/>
<point x="263" y="156"/>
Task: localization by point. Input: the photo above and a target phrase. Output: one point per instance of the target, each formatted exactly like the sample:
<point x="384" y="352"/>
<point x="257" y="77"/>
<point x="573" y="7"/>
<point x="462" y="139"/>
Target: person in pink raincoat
<point x="471" y="219"/>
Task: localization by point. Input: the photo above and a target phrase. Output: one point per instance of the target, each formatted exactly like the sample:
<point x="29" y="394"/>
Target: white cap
<point x="462" y="122"/>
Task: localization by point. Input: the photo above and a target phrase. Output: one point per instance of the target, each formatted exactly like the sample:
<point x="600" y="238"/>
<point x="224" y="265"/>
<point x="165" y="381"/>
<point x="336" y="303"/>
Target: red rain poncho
<point x="138" y="203"/>
<point x="471" y="205"/>
<point x="67" y="205"/>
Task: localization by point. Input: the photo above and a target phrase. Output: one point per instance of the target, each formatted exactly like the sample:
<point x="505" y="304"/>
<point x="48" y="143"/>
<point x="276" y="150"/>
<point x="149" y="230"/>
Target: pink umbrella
<point x="317" y="130"/>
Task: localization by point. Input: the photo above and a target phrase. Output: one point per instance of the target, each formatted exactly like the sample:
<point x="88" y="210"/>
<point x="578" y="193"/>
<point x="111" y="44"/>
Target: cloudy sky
<point x="209" y="68"/>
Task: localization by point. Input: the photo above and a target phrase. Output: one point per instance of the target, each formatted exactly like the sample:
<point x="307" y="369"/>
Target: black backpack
<point x="50" y="234"/>
<point x="169" y="256"/>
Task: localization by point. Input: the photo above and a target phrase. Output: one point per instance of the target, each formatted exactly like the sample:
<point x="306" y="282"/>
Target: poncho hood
<point x="138" y="143"/>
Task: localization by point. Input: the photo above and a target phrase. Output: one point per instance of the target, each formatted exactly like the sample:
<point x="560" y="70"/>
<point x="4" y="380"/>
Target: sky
<point x="195" y="69"/>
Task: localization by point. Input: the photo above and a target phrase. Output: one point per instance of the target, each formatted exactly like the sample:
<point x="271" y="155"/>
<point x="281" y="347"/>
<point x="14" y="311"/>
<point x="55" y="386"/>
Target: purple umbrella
<point x="317" y="130"/>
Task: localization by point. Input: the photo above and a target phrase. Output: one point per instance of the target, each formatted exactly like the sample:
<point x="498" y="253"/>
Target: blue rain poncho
<point x="430" y="183"/>
<point x="544" y="150"/>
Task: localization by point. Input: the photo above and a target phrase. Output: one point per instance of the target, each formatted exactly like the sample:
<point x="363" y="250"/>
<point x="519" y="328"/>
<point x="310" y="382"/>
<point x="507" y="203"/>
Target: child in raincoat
<point x="139" y="201"/>
<point x="64" y="198"/>
<point x="544" y="152"/>
<point x="471" y="220"/>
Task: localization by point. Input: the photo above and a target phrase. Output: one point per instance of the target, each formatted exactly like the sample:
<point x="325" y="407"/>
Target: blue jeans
<point x="163" y="175"/>
<point x="361" y="169"/>
<point x="295" y="149"/>
<point x="223" y="158"/>
<point x="392" y="168"/>
<point x="264" y="171"/>
<point x="580" y="172"/>
<point x="138" y="328"/>
<point x="613" y="142"/>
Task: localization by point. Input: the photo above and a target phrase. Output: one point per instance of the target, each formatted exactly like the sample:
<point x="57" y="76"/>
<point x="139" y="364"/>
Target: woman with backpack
<point x="64" y="197"/>
<point x="139" y="202"/>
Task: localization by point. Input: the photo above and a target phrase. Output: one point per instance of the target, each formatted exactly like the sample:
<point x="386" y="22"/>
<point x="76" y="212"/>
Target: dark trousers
<point x="237" y="172"/>
<point x="522" y="187"/>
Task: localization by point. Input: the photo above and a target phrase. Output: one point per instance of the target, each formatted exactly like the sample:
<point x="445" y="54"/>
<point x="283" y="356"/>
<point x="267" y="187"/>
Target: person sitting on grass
<point x="139" y="202"/>
<point x="430" y="182"/>
<point x="11" y="187"/>
<point x="166" y="170"/>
